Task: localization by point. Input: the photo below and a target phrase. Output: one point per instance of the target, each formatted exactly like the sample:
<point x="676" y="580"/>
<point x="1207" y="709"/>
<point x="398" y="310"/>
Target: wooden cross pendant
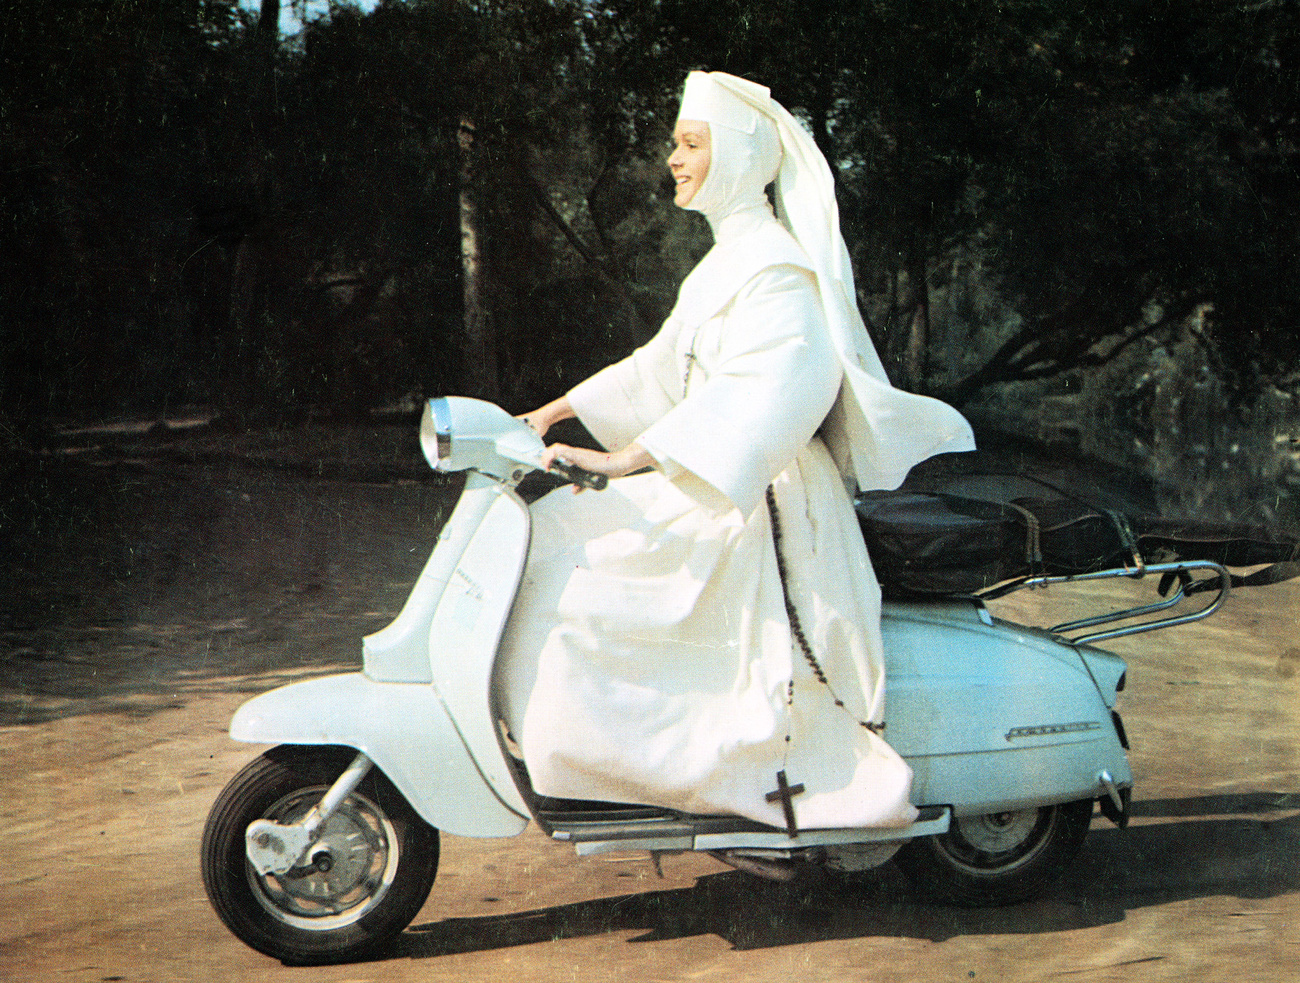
<point x="786" y="793"/>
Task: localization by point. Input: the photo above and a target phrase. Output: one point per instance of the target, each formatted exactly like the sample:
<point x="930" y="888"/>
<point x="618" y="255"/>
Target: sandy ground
<point x="146" y="597"/>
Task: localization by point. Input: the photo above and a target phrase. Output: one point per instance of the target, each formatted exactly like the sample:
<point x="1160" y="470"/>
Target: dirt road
<point x="145" y="602"/>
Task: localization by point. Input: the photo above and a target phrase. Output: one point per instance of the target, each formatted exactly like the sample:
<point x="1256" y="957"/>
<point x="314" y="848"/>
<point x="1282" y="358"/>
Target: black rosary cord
<point x="796" y="626"/>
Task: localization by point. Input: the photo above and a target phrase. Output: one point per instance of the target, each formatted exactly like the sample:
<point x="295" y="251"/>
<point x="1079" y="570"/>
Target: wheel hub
<point x="998" y="832"/>
<point x="351" y="866"/>
<point x="323" y="862"/>
<point x="341" y="861"/>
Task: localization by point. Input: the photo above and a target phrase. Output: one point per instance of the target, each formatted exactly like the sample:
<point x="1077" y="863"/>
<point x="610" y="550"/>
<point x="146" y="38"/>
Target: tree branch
<point x="601" y="233"/>
<point x="544" y="202"/>
<point x="1039" y="352"/>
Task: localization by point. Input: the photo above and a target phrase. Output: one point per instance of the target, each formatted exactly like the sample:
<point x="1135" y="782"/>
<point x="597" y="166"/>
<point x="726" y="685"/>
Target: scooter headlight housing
<point x="435" y="433"/>
<point x="460" y="434"/>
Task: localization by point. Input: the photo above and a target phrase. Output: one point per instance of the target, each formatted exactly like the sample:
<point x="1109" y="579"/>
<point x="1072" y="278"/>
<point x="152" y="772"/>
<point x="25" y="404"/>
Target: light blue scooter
<point x="325" y="847"/>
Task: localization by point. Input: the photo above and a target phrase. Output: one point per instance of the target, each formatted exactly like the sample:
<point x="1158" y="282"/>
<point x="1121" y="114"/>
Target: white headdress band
<point x="705" y="98"/>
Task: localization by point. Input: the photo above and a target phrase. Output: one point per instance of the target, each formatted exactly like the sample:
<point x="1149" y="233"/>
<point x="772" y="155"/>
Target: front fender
<point x="403" y="728"/>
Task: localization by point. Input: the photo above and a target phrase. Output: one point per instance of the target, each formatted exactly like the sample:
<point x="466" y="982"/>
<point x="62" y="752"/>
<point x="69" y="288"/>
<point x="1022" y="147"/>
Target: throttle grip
<point x="578" y="475"/>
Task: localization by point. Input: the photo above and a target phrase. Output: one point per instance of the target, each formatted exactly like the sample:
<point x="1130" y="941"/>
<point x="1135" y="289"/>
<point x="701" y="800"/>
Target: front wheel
<point x="997" y="859"/>
<point x="371" y="868"/>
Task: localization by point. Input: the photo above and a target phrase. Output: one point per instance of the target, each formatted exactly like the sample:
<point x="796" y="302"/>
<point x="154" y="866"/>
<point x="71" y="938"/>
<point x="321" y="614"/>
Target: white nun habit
<point x="648" y="656"/>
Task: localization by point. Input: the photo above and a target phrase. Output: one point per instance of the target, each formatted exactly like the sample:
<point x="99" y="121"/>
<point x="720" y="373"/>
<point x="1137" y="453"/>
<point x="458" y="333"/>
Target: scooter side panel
<point x="405" y="731"/>
<point x="466" y="630"/>
<point x="990" y="717"/>
<point x="399" y="652"/>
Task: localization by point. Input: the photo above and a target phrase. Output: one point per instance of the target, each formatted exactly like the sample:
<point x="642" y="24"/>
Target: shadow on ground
<point x="1225" y="853"/>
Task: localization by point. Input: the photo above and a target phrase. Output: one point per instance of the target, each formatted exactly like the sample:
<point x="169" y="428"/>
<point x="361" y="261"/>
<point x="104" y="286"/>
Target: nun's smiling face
<point x="690" y="158"/>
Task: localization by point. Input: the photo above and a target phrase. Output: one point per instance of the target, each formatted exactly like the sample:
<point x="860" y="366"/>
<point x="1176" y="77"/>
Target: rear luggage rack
<point x="1179" y="573"/>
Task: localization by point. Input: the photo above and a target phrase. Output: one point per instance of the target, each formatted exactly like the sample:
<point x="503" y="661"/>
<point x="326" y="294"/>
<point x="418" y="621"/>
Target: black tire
<point x="366" y="898"/>
<point x="999" y="859"/>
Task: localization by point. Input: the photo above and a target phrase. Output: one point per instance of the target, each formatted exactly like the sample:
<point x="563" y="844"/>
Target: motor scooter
<point x="325" y="847"/>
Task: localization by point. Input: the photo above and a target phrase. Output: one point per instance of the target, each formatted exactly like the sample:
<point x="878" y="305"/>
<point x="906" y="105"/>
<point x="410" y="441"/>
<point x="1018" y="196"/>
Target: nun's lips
<point x="685" y="187"/>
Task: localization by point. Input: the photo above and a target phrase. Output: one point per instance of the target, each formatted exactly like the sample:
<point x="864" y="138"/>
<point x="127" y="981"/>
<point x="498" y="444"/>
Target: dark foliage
<point x="193" y="214"/>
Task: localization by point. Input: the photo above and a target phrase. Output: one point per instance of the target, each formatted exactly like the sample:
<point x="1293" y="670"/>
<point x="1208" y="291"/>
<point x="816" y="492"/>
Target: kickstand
<point x="656" y="860"/>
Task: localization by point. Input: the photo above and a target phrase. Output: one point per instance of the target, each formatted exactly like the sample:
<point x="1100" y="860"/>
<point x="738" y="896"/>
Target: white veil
<point x="876" y="432"/>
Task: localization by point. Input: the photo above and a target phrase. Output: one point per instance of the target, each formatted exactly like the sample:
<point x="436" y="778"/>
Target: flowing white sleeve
<point x="619" y="402"/>
<point x="776" y="379"/>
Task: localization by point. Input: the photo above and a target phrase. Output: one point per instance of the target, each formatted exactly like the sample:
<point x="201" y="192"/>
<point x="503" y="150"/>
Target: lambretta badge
<point x="1051" y="730"/>
<point x="468" y="600"/>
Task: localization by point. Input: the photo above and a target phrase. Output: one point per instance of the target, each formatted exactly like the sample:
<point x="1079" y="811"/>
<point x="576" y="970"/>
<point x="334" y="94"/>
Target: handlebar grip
<point x="579" y="476"/>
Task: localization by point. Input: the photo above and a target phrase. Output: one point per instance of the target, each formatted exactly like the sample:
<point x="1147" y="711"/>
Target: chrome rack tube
<point x="1146" y="570"/>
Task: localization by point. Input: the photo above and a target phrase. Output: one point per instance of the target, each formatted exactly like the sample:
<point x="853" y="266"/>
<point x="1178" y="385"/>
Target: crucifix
<point x="786" y="793"/>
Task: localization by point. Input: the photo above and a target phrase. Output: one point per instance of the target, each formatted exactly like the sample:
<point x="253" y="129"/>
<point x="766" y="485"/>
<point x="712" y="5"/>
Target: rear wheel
<point x="365" y="878"/>
<point x="999" y="858"/>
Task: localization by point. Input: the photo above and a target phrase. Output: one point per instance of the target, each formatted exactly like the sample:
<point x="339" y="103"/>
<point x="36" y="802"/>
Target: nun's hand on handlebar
<point x="631" y="458"/>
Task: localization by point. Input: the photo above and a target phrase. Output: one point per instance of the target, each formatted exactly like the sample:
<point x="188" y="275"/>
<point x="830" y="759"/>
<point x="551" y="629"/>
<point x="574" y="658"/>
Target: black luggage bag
<point x="954" y="530"/>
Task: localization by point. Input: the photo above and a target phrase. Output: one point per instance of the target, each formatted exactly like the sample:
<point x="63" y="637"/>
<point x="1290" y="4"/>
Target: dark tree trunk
<point x="268" y="21"/>
<point x="479" y="348"/>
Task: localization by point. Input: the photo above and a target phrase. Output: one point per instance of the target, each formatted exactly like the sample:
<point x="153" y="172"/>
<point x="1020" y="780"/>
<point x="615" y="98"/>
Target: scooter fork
<point x="277" y="848"/>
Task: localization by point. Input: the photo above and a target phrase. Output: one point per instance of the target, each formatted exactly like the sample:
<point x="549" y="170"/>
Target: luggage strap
<point x="1274" y="573"/>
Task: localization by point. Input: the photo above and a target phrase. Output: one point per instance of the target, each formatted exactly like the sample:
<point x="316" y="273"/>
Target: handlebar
<point x="579" y="476"/>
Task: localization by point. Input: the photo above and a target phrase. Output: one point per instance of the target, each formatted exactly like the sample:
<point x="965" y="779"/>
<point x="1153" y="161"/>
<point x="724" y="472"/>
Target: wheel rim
<point x="349" y="868"/>
<point x="997" y="842"/>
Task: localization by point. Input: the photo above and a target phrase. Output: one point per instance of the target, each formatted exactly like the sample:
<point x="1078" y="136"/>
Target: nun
<point x="704" y="635"/>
